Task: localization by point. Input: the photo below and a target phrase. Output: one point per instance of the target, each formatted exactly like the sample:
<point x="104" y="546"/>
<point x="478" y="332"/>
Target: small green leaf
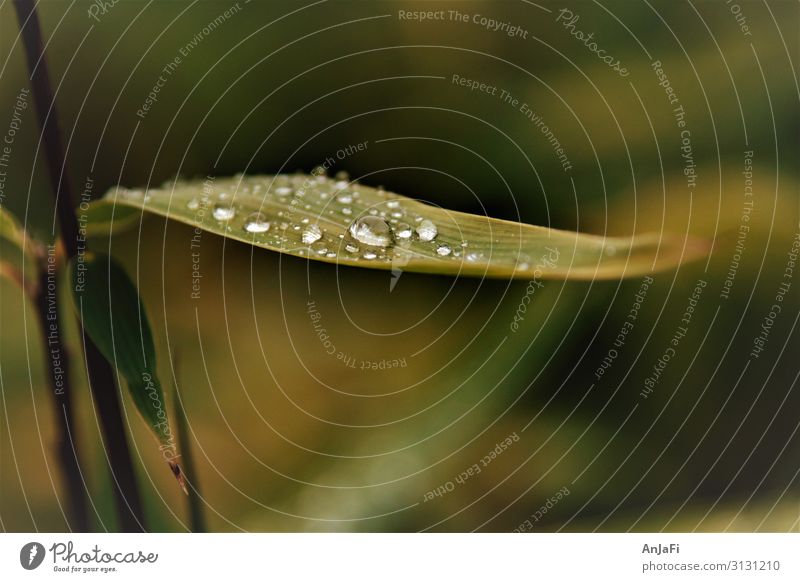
<point x="18" y="252"/>
<point x="114" y="317"/>
<point x="104" y="216"/>
<point x="346" y="223"/>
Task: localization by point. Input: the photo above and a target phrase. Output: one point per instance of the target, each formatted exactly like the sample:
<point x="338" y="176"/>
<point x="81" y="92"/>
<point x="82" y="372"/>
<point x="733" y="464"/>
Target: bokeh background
<point x="289" y="438"/>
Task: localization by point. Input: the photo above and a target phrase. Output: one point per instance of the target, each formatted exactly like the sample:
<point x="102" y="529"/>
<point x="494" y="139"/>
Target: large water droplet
<point x="311" y="233"/>
<point x="427" y="231"/>
<point x="256" y="223"/>
<point x="372" y="231"/>
<point x="223" y="212"/>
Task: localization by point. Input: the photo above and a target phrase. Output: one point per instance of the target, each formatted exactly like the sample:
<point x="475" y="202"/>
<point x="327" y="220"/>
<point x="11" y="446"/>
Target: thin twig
<point x="100" y="373"/>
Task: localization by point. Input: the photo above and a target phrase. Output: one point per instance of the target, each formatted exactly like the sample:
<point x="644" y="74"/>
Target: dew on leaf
<point x="311" y="233"/>
<point x="372" y="231"/>
<point x="427" y="231"/>
<point x="256" y="223"/>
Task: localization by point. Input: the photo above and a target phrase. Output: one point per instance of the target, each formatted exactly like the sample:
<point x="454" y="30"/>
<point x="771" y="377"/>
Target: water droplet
<point x="345" y="198"/>
<point x="397" y="214"/>
<point x="404" y="231"/>
<point x="443" y="250"/>
<point x="312" y="233"/>
<point x="331" y="255"/>
<point x="256" y="223"/>
<point x="347" y="211"/>
<point x="472" y="257"/>
<point x="372" y="231"/>
<point x="393" y="204"/>
<point x="283" y="191"/>
<point x="193" y="204"/>
<point x="223" y="212"/>
<point x="135" y="194"/>
<point x="369" y="255"/>
<point x="522" y="267"/>
<point x="427" y="231"/>
<point x="611" y="251"/>
<point x="351" y="248"/>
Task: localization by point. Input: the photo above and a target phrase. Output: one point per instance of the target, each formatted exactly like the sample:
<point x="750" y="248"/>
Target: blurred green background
<point x="287" y="437"/>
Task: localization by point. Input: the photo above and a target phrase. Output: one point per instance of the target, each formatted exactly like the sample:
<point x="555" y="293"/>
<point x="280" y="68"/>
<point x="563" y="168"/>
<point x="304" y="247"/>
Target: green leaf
<point x="346" y="223"/>
<point x="104" y="216"/>
<point x="113" y="315"/>
<point x="18" y="252"/>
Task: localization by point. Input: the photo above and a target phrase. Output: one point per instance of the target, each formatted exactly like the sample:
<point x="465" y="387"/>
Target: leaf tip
<point x="176" y="470"/>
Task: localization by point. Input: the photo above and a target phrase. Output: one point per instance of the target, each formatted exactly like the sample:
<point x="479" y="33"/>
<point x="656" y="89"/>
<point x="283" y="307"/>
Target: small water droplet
<point x="611" y="251"/>
<point x="393" y="204"/>
<point x="331" y="255"/>
<point x="372" y="231"/>
<point x="443" y="250"/>
<point x="223" y="212"/>
<point x="427" y="231"/>
<point x="312" y="233"/>
<point x="369" y="255"/>
<point x="256" y="223"/>
<point x="345" y="198"/>
<point x="351" y="248"/>
<point x="283" y="191"/>
<point x="193" y="204"/>
<point x="347" y="211"/>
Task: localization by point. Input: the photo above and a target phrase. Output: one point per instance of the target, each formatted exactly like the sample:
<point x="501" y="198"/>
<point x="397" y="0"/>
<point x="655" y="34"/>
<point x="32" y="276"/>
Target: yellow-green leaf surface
<point x="346" y="223"/>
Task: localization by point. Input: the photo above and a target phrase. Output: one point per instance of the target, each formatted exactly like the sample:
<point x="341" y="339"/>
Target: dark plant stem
<point x="100" y="373"/>
<point x="58" y="368"/>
